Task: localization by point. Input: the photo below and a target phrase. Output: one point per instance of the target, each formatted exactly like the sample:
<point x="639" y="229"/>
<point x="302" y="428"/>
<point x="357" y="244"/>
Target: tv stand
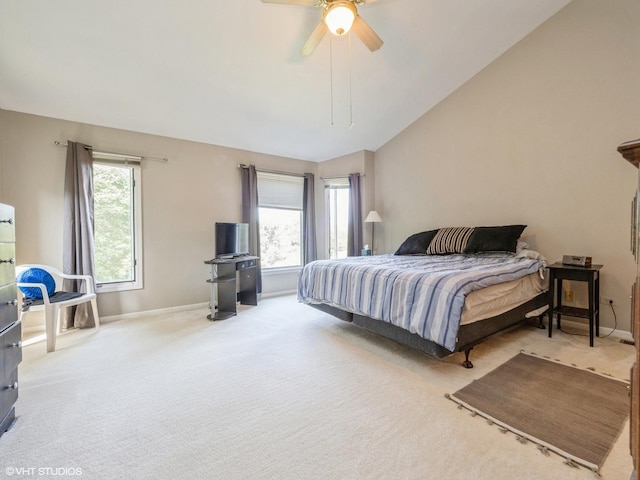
<point x="232" y="280"/>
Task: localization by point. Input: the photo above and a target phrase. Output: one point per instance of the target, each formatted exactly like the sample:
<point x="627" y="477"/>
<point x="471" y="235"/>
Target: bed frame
<point x="469" y="335"/>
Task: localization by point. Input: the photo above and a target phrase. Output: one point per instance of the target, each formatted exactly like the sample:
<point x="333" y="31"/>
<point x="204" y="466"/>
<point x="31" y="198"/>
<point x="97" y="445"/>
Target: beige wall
<point x="532" y="139"/>
<point x="181" y="200"/>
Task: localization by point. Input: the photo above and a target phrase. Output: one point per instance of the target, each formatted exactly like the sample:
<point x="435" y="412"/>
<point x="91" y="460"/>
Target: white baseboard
<point x="33" y="329"/>
<point x="604" y="331"/>
<point x="181" y="308"/>
<point x="279" y="294"/>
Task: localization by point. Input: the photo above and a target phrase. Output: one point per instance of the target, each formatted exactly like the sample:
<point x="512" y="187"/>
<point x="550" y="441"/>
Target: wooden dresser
<point x="10" y="328"/>
<point x="631" y="151"/>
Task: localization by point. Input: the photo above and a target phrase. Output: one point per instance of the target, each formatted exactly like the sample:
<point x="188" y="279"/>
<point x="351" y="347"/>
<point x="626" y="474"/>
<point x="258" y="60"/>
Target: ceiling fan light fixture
<point x="339" y="17"/>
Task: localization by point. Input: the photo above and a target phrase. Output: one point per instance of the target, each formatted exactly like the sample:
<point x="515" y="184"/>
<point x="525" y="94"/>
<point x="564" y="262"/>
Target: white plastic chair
<point x="52" y="308"/>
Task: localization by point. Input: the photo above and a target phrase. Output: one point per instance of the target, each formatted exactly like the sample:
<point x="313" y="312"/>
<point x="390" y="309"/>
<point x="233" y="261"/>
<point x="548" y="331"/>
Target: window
<point x="280" y="210"/>
<point x="117" y="224"/>
<point x="337" y="216"/>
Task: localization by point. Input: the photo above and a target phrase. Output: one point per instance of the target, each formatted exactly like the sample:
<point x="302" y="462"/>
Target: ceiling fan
<point x="338" y="17"/>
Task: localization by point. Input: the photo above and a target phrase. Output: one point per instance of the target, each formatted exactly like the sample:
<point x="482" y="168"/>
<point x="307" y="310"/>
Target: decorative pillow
<point x="417" y="243"/>
<point x="494" y="239"/>
<point x="450" y="240"/>
<point x="520" y="245"/>
<point x="36" y="275"/>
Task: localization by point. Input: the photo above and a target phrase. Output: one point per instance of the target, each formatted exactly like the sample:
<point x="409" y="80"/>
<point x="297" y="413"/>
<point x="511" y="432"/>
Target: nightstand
<point x="559" y="272"/>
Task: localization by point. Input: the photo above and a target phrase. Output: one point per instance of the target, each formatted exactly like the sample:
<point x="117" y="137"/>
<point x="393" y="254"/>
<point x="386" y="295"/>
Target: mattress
<point x="500" y="298"/>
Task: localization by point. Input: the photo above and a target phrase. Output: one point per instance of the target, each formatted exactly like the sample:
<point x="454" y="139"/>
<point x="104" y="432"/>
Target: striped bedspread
<point x="423" y="294"/>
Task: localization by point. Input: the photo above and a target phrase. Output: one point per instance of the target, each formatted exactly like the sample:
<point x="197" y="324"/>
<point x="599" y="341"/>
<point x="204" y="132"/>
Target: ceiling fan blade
<point x="304" y="3"/>
<point x="314" y="39"/>
<point x="366" y="34"/>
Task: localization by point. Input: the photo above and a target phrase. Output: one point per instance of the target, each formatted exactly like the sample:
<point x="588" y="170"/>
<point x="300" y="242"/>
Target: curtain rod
<point x="242" y="165"/>
<point x="338" y="178"/>
<point x="276" y="172"/>
<point x="121" y="155"/>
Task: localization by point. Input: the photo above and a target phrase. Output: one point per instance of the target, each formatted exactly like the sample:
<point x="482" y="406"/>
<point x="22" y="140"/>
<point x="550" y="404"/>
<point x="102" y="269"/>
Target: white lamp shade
<point x="373" y="217"/>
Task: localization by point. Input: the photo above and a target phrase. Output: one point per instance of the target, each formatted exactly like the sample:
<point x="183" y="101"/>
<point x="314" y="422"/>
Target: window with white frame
<point x="337" y="216"/>
<point x="117" y="224"/>
<point x="280" y="210"/>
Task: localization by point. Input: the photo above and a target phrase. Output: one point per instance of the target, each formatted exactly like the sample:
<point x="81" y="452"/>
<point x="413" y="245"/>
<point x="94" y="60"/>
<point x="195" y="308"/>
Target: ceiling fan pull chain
<point x="350" y="94"/>
<point x="331" y="76"/>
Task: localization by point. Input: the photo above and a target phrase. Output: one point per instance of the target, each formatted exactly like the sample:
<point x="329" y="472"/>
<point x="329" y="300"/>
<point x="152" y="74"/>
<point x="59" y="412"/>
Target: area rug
<point x="576" y="413"/>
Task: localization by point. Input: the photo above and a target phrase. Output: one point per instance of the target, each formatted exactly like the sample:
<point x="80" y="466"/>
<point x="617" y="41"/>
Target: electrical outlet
<point x="606" y="301"/>
<point x="568" y="295"/>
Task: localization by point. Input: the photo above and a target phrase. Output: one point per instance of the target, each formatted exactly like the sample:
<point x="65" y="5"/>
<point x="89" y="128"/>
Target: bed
<point x="443" y="291"/>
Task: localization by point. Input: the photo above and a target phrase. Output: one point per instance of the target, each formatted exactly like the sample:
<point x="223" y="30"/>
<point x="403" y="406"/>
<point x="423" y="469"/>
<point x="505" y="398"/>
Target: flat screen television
<point x="232" y="239"/>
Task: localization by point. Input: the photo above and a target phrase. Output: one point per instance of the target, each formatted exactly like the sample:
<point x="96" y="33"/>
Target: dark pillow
<point x="417" y="243"/>
<point x="450" y="240"/>
<point x="494" y="239"/>
<point x="36" y="275"/>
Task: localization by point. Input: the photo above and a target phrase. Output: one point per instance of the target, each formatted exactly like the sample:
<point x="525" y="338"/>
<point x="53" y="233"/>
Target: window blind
<point x="336" y="182"/>
<point x="114" y="159"/>
<point x="280" y="191"/>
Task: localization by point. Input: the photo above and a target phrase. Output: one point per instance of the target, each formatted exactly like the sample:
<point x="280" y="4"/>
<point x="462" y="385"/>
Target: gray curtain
<point x="354" y="234"/>
<point x="250" y="214"/>
<point x="78" y="239"/>
<point x="309" y="246"/>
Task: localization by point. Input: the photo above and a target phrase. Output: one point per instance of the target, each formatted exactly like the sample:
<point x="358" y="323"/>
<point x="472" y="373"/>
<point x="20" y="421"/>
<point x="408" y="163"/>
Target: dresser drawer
<point x="7" y="224"/>
<point x="635" y="410"/>
<point x="7" y="421"/>
<point x="7" y="263"/>
<point x="8" y="302"/>
<point x="8" y="392"/>
<point x="11" y="345"/>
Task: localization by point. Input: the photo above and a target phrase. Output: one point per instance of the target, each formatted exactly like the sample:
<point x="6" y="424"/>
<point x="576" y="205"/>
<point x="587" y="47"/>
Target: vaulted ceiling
<point x="230" y="73"/>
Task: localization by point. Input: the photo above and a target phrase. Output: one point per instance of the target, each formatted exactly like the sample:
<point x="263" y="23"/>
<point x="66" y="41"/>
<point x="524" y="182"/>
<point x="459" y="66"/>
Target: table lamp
<point x="374" y="218"/>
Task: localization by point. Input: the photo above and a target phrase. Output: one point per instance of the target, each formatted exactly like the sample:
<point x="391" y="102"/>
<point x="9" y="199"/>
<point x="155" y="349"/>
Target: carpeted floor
<point x="281" y="391"/>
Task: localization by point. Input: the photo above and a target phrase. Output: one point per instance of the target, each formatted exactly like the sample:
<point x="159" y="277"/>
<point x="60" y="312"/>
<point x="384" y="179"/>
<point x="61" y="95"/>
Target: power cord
<point x="615" y="320"/>
<point x="615" y="325"/>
